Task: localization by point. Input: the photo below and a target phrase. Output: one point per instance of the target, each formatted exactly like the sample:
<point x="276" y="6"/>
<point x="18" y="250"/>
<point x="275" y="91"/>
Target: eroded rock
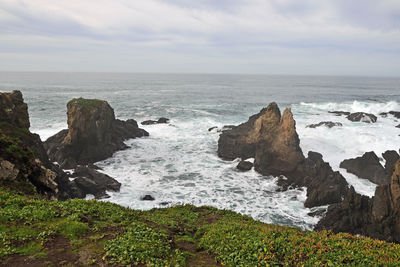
<point x="362" y="117"/>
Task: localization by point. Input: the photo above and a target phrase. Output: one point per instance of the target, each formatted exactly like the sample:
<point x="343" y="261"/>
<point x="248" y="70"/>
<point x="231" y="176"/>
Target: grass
<point x="87" y="103"/>
<point x="47" y="232"/>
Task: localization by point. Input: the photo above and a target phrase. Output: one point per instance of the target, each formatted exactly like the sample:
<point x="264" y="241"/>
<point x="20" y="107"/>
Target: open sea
<point x="178" y="164"/>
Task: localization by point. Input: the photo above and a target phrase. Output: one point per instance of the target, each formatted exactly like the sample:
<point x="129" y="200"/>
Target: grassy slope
<point x="79" y="232"/>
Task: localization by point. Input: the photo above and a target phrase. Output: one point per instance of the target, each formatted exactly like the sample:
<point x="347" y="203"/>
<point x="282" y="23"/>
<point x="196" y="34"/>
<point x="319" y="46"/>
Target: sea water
<point x="177" y="163"/>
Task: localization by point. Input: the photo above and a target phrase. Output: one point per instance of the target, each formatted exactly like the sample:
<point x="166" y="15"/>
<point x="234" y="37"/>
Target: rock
<point x="268" y="137"/>
<point x="8" y="171"/>
<point x="362" y="116"/>
<point x="13" y="110"/>
<point x="90" y="181"/>
<point x="324" y="186"/>
<point x="272" y="140"/>
<point x="212" y="128"/>
<point x="328" y="124"/>
<point x="148" y="198"/>
<point x="93" y="134"/>
<point x="367" y="167"/>
<point x="391" y="157"/>
<point x="398" y="126"/>
<point x="244" y="165"/>
<point x="377" y="217"/>
<point x="163" y="120"/>
<point x="396" y="114"/>
<point x="151" y="122"/>
<point x="340" y="113"/>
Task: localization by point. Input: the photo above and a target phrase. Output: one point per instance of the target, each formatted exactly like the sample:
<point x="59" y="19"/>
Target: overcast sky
<point x="335" y="37"/>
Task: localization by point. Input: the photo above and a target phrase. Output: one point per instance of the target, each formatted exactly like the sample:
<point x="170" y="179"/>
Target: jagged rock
<point x="150" y="122"/>
<point x="340" y="113"/>
<point x="148" y="198"/>
<point x="377" y="217"/>
<point x="93" y="134"/>
<point x="90" y="181"/>
<point x="362" y="116"/>
<point x="328" y="124"/>
<point x="244" y="165"/>
<point x="25" y="164"/>
<point x="367" y="167"/>
<point x="268" y="137"/>
<point x="272" y="140"/>
<point x="391" y="157"/>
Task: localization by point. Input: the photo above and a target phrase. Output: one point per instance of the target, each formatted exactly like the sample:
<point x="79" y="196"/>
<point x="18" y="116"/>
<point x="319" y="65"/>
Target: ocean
<point x="178" y="164"/>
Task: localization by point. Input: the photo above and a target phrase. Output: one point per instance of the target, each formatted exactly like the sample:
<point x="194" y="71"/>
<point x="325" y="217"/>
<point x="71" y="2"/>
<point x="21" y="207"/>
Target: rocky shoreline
<point x="269" y="137"/>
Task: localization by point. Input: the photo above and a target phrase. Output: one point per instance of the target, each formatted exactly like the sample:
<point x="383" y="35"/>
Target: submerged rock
<point x="244" y="165"/>
<point x="328" y="124"/>
<point x="362" y="117"/>
<point x="148" y="198"/>
<point x="367" y="167"/>
<point x="340" y="113"/>
<point x="150" y="122"/>
<point x="377" y="217"/>
<point x="93" y="134"/>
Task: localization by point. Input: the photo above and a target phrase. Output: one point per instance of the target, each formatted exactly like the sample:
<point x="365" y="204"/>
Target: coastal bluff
<point x="93" y="134"/>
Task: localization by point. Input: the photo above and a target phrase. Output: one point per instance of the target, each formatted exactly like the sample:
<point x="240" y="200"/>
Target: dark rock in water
<point x="271" y="138"/>
<point x="244" y="165"/>
<point x="324" y="186"/>
<point x="367" y="167"/>
<point x="396" y="114"/>
<point x="340" y="113"/>
<point x="377" y="217"/>
<point x="151" y="122"/>
<point x="317" y="213"/>
<point x="391" y="157"/>
<point x="163" y="120"/>
<point x="93" y="134"/>
<point x="148" y="198"/>
<point x="90" y="181"/>
<point x="212" y="128"/>
<point x="328" y="124"/>
<point x="362" y="116"/>
<point x="398" y="126"/>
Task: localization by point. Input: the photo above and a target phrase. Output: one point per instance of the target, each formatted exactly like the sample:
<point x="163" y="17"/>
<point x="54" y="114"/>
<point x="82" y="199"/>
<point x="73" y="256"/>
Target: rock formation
<point x="362" y="116"/>
<point x="377" y="217"/>
<point x="93" y="134"/>
<point x="396" y="114"/>
<point x="328" y="124"/>
<point x="340" y="113"/>
<point x="23" y="161"/>
<point x="367" y="167"/>
<point x="271" y="138"/>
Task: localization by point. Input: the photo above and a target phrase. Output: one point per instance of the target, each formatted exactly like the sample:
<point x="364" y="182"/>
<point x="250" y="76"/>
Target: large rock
<point x="271" y="138"/>
<point x="391" y="157"/>
<point x="377" y="217"/>
<point x="23" y="161"/>
<point x="367" y="167"/>
<point x="268" y="137"/>
<point x="244" y="165"/>
<point x="93" y="134"/>
<point x="362" y="116"/>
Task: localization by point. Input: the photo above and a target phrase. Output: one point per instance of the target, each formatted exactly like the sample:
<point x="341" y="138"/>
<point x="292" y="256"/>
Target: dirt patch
<point x="198" y="257"/>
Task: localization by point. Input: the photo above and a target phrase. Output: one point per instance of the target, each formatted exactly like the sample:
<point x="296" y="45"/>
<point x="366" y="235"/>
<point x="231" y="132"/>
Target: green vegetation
<point x="87" y="103"/>
<point x="38" y="231"/>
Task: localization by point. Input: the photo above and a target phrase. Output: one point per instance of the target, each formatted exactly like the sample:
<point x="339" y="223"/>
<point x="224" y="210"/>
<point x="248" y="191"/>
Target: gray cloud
<point x="280" y="36"/>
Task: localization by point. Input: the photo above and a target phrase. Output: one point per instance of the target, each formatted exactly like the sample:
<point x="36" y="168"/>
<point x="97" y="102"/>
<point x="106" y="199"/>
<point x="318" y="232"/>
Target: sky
<point x="319" y="37"/>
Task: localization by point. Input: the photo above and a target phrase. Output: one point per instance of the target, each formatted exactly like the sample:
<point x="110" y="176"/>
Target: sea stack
<point x="271" y="138"/>
<point x="93" y="134"/>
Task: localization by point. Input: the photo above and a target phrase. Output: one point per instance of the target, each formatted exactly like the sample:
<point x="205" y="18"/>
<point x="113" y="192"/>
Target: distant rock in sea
<point x="340" y="113"/>
<point x="362" y="117"/>
<point x="150" y="122"/>
<point x="93" y="134"/>
<point x="328" y="124"/>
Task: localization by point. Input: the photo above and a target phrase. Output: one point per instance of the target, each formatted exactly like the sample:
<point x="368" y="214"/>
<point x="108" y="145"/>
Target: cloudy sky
<point x="335" y="37"/>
